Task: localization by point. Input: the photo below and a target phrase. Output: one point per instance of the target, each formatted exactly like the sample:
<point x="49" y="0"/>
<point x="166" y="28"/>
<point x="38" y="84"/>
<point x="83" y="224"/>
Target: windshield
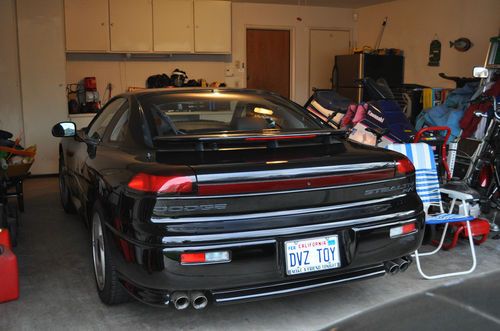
<point x="194" y="113"/>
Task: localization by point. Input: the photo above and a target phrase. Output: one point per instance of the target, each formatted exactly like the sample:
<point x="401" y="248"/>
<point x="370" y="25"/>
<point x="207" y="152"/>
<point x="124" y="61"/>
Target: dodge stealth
<point x="216" y="196"/>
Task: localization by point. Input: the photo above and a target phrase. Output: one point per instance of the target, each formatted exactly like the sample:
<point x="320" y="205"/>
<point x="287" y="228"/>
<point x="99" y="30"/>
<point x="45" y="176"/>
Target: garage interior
<point x="53" y="46"/>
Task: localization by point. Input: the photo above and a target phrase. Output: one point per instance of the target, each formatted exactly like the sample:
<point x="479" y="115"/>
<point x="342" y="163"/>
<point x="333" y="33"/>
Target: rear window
<point x="214" y="112"/>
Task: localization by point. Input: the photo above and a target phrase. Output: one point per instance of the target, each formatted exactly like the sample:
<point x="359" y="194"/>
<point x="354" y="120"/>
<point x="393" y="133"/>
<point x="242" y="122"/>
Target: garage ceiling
<point x="322" y="3"/>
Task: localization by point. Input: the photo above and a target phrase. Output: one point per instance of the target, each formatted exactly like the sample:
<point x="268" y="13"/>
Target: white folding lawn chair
<point x="427" y="185"/>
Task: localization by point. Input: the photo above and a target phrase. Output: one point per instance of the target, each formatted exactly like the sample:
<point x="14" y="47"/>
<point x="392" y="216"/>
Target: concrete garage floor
<point x="58" y="291"/>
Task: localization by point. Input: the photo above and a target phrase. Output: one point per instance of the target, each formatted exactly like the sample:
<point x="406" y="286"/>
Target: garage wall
<point x="284" y="16"/>
<point x="11" y="118"/>
<point x="412" y="25"/>
<point x="41" y="61"/>
<point x="123" y="72"/>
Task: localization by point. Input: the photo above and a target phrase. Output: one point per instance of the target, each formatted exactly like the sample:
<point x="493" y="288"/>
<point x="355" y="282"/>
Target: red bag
<point x="9" y="277"/>
<point x="469" y="121"/>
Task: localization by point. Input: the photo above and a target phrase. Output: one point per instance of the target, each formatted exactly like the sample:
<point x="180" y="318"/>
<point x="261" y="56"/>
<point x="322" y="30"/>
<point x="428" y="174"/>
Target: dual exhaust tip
<point x="182" y="300"/>
<point x="397" y="265"/>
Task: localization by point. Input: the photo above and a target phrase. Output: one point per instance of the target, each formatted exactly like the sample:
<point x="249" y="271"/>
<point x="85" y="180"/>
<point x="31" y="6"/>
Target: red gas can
<point x="9" y="278"/>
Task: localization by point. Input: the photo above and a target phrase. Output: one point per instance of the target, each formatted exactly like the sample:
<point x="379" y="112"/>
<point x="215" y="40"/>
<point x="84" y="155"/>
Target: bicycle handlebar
<point x="495" y="111"/>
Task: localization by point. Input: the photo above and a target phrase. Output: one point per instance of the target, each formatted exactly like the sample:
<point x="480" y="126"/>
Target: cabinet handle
<point x="102" y="23"/>
<point x="112" y="24"/>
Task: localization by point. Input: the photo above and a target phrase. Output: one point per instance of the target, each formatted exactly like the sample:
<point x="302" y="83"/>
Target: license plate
<point x="315" y="254"/>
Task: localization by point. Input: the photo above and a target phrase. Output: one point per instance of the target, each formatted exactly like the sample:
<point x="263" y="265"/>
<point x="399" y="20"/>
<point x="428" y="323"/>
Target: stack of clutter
<point x="14" y="159"/>
<point x="178" y="78"/>
<point x="457" y="111"/>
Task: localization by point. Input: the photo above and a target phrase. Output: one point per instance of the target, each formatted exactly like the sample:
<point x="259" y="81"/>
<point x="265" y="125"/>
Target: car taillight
<point x="161" y="184"/>
<point x="404" y="167"/>
<point x="295" y="183"/>
<point x="402" y="230"/>
<point x="205" y="257"/>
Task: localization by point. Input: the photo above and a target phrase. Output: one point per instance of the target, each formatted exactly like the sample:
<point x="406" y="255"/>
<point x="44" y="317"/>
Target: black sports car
<point x="222" y="195"/>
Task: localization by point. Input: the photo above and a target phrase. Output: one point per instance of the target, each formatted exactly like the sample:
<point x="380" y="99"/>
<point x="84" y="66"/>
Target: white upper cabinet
<point x="148" y="26"/>
<point x="212" y="21"/>
<point x="131" y="27"/>
<point x="173" y="26"/>
<point x="87" y="25"/>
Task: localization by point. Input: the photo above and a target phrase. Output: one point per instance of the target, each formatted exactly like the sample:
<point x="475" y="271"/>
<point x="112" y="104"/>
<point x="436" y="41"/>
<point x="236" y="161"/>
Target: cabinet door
<point x="212" y="21"/>
<point x="131" y="25"/>
<point x="87" y="25"/>
<point x="173" y="26"/>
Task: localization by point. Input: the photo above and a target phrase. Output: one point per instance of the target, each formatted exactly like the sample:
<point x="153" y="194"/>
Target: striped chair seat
<point x="447" y="218"/>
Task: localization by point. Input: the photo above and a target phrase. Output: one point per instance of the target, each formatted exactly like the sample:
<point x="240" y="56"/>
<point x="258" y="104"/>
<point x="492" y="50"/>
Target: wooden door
<point x="173" y="25"/>
<point x="87" y="25"/>
<point x="131" y="25"/>
<point x="268" y="60"/>
<point x="324" y="45"/>
<point x="212" y="23"/>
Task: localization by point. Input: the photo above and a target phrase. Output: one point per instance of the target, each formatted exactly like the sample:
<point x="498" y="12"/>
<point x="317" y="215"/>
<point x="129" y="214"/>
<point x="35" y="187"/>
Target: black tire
<point x="109" y="288"/>
<point x="64" y="192"/>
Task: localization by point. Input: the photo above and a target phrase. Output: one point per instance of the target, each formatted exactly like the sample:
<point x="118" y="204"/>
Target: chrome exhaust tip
<point x="403" y="264"/>
<point x="408" y="258"/>
<point x="198" y="300"/>
<point x="180" y="300"/>
<point x="391" y="267"/>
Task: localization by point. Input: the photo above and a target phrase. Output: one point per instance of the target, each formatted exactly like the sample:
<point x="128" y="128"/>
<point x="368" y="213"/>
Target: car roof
<point x="178" y="90"/>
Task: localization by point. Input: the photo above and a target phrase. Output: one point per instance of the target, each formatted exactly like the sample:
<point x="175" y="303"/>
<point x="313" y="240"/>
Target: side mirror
<point x="480" y="72"/>
<point x="64" y="129"/>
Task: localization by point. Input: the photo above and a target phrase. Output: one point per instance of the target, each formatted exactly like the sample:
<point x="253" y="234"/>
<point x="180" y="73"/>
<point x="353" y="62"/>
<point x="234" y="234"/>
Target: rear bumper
<point x="161" y="298"/>
<point x="265" y="291"/>
<point x="151" y="271"/>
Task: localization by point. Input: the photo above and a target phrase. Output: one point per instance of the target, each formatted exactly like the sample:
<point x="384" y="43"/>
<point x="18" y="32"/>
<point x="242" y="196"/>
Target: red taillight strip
<point x="307" y="136"/>
<point x="294" y="184"/>
<point x="193" y="258"/>
<point x="161" y="184"/>
<point x="404" y="166"/>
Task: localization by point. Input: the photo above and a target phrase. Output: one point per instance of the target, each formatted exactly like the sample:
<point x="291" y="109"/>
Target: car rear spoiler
<point x="250" y="140"/>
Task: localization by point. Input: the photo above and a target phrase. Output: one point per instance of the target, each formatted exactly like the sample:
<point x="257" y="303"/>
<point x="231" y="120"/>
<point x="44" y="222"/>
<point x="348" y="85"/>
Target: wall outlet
<point x="229" y="72"/>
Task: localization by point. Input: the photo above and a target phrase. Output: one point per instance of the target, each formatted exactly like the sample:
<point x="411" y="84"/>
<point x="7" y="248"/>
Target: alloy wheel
<point x="98" y="251"/>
